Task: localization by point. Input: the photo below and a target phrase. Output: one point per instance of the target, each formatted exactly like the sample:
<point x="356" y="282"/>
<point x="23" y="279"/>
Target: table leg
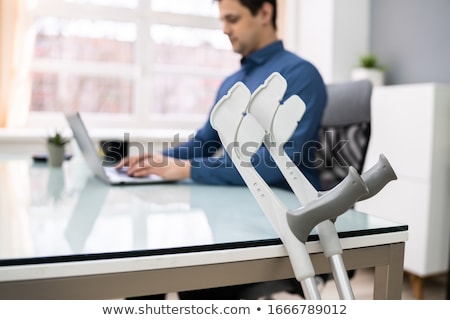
<point x="448" y="279"/>
<point x="388" y="281"/>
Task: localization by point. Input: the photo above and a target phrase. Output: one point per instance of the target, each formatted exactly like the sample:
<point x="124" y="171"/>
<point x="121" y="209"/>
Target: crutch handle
<point x="377" y="177"/>
<point x="329" y="206"/>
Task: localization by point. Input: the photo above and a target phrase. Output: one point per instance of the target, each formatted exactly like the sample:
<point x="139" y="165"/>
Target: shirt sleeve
<point x="205" y="143"/>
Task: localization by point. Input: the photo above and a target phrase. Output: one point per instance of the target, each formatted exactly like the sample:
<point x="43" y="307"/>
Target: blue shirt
<point x="303" y="80"/>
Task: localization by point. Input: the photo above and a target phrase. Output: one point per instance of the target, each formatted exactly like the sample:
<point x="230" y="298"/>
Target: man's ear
<point x="266" y="13"/>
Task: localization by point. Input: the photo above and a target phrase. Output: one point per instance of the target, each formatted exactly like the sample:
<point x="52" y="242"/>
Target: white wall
<point x="333" y="34"/>
<point x="414" y="47"/>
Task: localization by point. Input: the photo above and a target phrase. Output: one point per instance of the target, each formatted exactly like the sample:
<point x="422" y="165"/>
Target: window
<point x="137" y="63"/>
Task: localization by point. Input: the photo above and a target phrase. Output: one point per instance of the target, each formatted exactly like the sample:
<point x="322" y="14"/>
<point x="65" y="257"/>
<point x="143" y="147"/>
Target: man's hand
<point x="166" y="167"/>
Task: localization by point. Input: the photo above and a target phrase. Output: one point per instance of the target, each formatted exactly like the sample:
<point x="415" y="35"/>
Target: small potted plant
<point x="56" y="149"/>
<point x="369" y="69"/>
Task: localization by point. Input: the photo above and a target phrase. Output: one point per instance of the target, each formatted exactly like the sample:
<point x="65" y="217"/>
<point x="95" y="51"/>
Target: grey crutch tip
<point x="377" y="177"/>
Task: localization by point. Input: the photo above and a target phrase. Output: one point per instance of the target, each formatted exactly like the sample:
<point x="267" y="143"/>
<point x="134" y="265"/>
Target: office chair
<point x="345" y="131"/>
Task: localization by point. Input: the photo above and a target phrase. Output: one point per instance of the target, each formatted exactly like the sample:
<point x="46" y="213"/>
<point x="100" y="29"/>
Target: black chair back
<point x="345" y="131"/>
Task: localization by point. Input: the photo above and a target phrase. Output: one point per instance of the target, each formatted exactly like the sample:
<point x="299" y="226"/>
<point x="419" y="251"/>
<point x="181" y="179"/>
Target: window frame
<point x="139" y="72"/>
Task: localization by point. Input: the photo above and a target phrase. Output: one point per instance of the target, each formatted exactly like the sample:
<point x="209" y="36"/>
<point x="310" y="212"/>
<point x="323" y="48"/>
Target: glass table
<point x="66" y="235"/>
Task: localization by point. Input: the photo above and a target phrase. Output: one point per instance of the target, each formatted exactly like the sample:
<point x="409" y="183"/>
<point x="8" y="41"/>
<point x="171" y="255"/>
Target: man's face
<point x="242" y="28"/>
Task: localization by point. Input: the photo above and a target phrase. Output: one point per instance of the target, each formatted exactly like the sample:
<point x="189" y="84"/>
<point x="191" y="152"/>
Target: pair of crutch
<point x="244" y="122"/>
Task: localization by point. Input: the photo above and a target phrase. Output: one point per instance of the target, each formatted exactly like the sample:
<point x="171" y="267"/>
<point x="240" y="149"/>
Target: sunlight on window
<point x="117" y="3"/>
<point x="175" y="94"/>
<point x="52" y="26"/>
<point x="194" y="7"/>
<point x="52" y="92"/>
<point x="188" y="47"/>
<point x="81" y="39"/>
<point x="190" y="37"/>
<point x="44" y="93"/>
<point x="151" y="57"/>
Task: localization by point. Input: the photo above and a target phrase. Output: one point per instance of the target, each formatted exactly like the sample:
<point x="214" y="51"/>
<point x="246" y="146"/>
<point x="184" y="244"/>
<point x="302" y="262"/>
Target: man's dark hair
<point x="255" y="5"/>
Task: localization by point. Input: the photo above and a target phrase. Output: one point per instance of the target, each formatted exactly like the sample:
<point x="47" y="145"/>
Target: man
<point x="251" y="28"/>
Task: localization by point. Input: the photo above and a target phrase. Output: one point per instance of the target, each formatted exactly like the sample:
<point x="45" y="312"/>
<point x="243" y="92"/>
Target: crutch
<point x="242" y="135"/>
<point x="279" y="123"/>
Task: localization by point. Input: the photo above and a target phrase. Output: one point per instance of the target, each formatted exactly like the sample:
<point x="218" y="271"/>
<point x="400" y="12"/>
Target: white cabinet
<point x="411" y="126"/>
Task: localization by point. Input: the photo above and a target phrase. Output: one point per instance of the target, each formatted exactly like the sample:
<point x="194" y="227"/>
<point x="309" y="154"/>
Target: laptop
<point x="107" y="174"/>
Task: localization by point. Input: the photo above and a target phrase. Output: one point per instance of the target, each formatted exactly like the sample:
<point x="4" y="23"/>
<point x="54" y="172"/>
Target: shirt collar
<point x="263" y="54"/>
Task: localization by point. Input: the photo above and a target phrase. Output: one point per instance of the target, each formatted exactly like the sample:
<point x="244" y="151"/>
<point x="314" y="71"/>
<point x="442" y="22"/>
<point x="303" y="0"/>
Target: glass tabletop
<point x="66" y="214"/>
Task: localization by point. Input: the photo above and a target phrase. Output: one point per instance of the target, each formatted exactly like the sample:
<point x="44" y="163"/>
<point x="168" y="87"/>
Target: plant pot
<point x="376" y="76"/>
<point x="55" y="154"/>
